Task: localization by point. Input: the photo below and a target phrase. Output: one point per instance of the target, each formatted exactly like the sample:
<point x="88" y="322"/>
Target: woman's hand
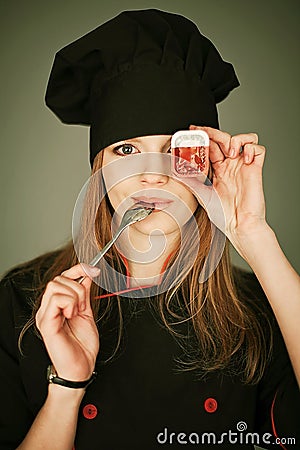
<point x="66" y="323"/>
<point x="237" y="179"/>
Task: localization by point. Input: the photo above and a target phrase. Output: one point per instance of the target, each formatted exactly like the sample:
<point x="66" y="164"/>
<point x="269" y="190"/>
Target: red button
<point x="90" y="411"/>
<point x="210" y="405"/>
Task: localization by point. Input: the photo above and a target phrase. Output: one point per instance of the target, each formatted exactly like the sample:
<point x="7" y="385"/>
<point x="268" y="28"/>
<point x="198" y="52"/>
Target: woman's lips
<point x="155" y="202"/>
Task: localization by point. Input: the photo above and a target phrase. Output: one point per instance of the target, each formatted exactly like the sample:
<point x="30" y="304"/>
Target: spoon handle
<point x="102" y="252"/>
<point x="131" y="216"/>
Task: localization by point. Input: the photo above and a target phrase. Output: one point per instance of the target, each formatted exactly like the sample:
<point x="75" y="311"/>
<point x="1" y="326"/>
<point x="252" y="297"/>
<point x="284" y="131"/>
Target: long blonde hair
<point x="230" y="327"/>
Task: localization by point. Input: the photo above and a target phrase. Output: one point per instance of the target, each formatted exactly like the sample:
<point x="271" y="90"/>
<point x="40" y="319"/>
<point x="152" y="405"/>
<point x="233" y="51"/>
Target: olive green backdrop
<point x="44" y="163"/>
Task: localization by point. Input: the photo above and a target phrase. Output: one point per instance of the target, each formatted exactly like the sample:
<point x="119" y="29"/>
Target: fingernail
<point x="82" y="306"/>
<point x="94" y="271"/>
<point x="232" y="152"/>
<point x="247" y="159"/>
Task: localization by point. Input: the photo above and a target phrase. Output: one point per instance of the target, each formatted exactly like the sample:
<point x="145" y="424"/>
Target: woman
<point x="187" y="351"/>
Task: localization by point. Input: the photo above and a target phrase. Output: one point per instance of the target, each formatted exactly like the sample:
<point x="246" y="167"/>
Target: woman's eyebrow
<point x="140" y="141"/>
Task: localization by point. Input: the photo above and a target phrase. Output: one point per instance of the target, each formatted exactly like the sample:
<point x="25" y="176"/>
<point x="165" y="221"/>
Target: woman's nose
<point x="153" y="178"/>
<point x="155" y="169"/>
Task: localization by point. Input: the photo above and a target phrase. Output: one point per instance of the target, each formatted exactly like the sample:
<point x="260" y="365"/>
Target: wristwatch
<point x="53" y="378"/>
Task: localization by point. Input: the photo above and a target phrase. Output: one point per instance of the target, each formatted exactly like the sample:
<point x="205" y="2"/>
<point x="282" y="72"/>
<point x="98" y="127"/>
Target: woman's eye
<point x="125" y="149"/>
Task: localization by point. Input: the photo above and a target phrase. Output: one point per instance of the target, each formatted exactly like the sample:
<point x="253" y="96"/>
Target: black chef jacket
<point x="139" y="401"/>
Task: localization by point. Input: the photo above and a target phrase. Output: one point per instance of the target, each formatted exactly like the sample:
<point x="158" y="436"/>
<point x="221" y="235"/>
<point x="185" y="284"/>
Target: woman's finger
<point x="254" y="152"/>
<point x="82" y="290"/>
<point x="54" y="287"/>
<point x="248" y="153"/>
<point x="219" y="137"/>
<point x="61" y="306"/>
<point x="215" y="153"/>
<point x="218" y="143"/>
<point x="81" y="270"/>
<point x="229" y="145"/>
<point x="240" y="140"/>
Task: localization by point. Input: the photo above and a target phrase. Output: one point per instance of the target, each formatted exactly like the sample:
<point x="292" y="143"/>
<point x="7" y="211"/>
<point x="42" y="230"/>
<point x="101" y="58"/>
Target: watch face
<point x="50" y="373"/>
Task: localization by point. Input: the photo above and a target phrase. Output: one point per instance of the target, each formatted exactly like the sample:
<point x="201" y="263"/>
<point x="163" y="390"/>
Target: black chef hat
<point x="141" y="73"/>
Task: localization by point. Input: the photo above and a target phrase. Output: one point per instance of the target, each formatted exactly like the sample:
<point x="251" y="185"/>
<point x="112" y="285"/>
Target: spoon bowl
<point x="135" y="214"/>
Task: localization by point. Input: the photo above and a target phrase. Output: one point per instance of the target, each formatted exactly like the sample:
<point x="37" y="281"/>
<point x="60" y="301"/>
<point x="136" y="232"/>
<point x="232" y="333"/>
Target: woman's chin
<point x="157" y="223"/>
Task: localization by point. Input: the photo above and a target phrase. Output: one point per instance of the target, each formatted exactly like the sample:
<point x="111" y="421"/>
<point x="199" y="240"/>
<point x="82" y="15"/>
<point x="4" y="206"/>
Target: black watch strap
<point x="53" y="378"/>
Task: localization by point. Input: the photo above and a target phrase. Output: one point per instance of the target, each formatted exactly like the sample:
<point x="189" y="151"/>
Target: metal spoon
<point x="132" y="215"/>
